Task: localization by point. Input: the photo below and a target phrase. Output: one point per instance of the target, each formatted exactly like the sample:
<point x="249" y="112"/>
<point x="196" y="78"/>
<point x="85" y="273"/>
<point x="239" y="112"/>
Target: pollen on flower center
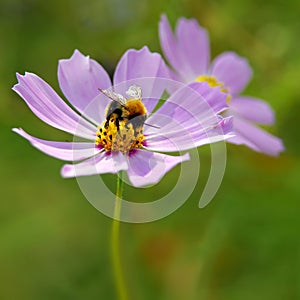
<point x="213" y="82"/>
<point x="116" y="135"/>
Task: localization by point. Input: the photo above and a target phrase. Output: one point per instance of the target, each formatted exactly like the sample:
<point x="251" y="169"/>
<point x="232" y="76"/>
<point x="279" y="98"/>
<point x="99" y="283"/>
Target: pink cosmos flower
<point x="188" y="52"/>
<point x="112" y="141"/>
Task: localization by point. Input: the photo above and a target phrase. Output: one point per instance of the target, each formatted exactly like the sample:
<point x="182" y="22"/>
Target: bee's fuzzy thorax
<point x="135" y="107"/>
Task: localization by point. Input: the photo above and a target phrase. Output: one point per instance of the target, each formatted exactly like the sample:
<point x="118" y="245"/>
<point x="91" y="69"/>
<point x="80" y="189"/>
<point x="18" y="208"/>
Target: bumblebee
<point x="125" y="118"/>
<point x="131" y="110"/>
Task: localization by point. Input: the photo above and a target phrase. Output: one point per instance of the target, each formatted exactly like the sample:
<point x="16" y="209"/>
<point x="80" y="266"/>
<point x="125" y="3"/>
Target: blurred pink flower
<point x="188" y="53"/>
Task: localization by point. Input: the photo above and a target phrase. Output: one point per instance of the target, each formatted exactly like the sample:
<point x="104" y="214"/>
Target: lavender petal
<point x="147" y="168"/>
<point x="256" y="138"/>
<point x="50" y="108"/>
<point x="80" y="79"/>
<point x="252" y="109"/>
<point x="232" y="70"/>
<point x="99" y="164"/>
<point x="187" y="50"/>
<point x="69" y="151"/>
<point x="144" y="69"/>
<point x="188" y="120"/>
<point x="183" y="139"/>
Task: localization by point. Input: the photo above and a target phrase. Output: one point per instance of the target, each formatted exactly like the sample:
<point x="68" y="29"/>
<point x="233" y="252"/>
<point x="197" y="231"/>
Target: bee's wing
<point x="134" y="92"/>
<point x="114" y="96"/>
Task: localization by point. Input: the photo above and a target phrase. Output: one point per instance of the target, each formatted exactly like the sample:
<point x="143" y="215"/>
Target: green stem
<point x="116" y="261"/>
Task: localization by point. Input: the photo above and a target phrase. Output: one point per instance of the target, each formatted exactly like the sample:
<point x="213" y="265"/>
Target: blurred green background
<point x="244" y="245"/>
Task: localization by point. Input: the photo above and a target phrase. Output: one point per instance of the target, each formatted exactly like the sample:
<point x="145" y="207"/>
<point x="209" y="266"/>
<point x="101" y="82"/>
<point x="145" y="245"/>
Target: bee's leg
<point x="118" y="124"/>
<point x="106" y="123"/>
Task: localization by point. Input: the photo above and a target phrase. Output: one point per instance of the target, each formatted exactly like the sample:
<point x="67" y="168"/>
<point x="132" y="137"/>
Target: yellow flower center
<point x="123" y="128"/>
<point x="213" y="82"/>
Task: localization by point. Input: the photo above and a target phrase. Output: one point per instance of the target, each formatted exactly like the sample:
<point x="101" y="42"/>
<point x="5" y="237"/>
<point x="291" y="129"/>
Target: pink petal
<point x="212" y="96"/>
<point x="61" y="150"/>
<point x="252" y="109"/>
<point x="182" y="139"/>
<point x="143" y="68"/>
<point x="99" y="164"/>
<point x="256" y="138"/>
<point x="80" y="79"/>
<point x="193" y="43"/>
<point x="186" y="120"/>
<point x="168" y="41"/>
<point x="147" y="168"/>
<point x="196" y="101"/>
<point x="188" y="51"/>
<point x="232" y="70"/>
<point x="49" y="107"/>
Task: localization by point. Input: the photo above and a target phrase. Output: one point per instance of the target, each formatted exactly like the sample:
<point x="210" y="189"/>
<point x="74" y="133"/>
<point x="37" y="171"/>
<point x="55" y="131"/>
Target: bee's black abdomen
<point x="137" y="120"/>
<point x="118" y="123"/>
